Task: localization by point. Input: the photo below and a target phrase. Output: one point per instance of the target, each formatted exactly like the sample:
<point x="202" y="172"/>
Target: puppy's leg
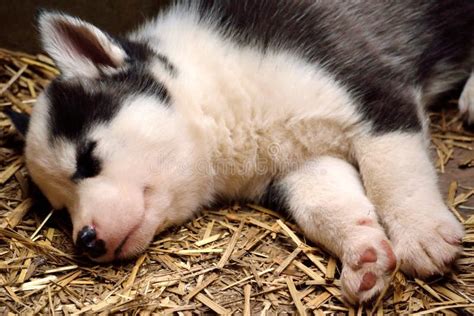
<point x="401" y="182"/>
<point x="466" y="101"/>
<point x="327" y="200"/>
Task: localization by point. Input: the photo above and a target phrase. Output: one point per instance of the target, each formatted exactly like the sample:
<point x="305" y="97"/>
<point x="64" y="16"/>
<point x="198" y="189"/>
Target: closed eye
<point x="87" y="165"/>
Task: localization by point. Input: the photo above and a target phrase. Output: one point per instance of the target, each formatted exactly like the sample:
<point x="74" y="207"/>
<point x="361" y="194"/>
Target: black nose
<point x="87" y="242"/>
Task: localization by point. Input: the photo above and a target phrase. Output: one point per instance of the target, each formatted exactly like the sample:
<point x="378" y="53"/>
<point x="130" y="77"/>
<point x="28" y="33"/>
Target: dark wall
<point x="17" y="17"/>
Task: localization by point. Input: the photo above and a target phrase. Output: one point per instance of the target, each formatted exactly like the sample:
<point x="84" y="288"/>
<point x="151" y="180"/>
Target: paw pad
<point x="367" y="270"/>
<point x="368" y="281"/>
<point x="369" y="255"/>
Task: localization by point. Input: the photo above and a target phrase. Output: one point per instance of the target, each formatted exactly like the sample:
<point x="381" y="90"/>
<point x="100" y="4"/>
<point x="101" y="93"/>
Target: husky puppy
<point x="315" y="106"/>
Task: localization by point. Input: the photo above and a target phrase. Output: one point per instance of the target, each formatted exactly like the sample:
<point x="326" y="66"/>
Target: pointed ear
<point x="77" y="47"/>
<point x="19" y="120"/>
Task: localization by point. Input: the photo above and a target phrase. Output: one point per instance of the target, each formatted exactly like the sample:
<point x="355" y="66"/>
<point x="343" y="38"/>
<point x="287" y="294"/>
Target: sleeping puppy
<point x="317" y="107"/>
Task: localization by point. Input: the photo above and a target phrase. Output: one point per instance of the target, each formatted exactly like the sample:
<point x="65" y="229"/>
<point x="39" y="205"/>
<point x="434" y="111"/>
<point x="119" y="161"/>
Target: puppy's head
<point x="103" y="140"/>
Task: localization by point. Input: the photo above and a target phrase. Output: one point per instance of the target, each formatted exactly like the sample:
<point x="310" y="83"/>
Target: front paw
<point x="427" y="245"/>
<point x="368" y="261"/>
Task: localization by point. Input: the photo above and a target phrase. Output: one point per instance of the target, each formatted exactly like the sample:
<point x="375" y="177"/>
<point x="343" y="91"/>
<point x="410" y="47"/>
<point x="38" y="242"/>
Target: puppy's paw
<point x="428" y="245"/>
<point x="368" y="261"/>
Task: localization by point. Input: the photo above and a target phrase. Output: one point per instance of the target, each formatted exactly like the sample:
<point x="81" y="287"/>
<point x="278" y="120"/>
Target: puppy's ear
<point x="77" y="47"/>
<point x="19" y="120"/>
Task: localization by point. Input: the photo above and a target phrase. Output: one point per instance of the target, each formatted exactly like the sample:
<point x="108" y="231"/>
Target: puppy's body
<point x="265" y="101"/>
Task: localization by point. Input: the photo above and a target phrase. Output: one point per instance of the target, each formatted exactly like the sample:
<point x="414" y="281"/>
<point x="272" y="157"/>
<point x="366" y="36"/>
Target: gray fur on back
<point x="381" y="50"/>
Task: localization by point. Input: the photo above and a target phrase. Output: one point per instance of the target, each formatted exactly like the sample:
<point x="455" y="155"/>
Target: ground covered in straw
<point x="240" y="259"/>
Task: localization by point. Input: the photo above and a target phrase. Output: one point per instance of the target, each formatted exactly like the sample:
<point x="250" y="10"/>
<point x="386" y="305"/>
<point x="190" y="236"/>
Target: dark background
<point x="18" y="25"/>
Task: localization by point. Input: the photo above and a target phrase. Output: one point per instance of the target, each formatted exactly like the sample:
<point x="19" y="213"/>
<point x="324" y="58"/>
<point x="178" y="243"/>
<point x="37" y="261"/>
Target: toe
<point x="416" y="261"/>
<point x="452" y="232"/>
<point x="442" y="255"/>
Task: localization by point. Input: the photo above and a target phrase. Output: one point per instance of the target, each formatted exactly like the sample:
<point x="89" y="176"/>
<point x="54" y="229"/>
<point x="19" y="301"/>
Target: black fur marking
<point x="136" y="51"/>
<point x="276" y="197"/>
<point x="19" y="120"/>
<point x="334" y="35"/>
<point x="87" y="165"/>
<point x="167" y="64"/>
<point x="77" y="106"/>
<point x="138" y="81"/>
<point x="139" y="52"/>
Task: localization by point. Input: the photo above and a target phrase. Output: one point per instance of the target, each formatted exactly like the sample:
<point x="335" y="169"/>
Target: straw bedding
<point x="240" y="259"/>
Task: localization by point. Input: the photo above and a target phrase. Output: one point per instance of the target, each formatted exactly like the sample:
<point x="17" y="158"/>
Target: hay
<point x="241" y="259"/>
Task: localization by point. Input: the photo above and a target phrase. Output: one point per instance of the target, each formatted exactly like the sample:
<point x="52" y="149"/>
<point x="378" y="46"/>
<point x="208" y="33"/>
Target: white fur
<point x="49" y="164"/>
<point x="244" y="103"/>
